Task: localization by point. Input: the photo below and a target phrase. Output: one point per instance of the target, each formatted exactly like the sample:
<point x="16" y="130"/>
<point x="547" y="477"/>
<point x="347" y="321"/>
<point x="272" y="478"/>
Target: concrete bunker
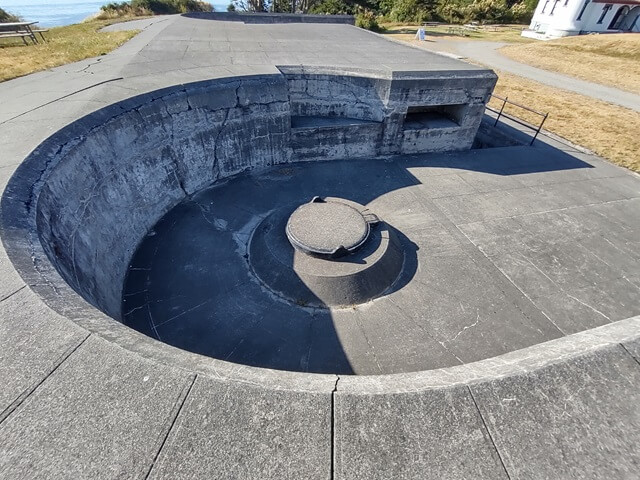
<point x="93" y="212"/>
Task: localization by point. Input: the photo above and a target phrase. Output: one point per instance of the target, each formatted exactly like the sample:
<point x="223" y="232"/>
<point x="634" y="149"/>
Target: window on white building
<point x="635" y="11"/>
<point x="605" y="10"/>
<point x="584" y="7"/>
<point x="554" y="6"/>
<point x="566" y="2"/>
<point x="545" y="6"/>
<point x="618" y="18"/>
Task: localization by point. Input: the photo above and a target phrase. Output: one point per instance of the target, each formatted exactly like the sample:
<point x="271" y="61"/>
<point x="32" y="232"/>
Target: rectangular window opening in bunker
<point x="434" y="116"/>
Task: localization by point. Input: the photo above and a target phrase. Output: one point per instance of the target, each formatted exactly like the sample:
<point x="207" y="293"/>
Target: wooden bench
<point x="40" y="31"/>
<point x="21" y="29"/>
<point x="24" y="36"/>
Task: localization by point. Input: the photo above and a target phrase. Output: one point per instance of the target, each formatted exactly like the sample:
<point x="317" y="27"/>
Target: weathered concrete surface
<point x="576" y="419"/>
<point x="102" y="414"/>
<point x="36" y="443"/>
<point x="486" y="272"/>
<point x="427" y="435"/>
<point x="567" y="408"/>
<point x="35" y="340"/>
<point x="235" y="430"/>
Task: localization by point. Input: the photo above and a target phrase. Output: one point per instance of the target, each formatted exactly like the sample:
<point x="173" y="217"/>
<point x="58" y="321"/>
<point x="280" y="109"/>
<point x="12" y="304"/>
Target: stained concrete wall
<point x="114" y="180"/>
<point x="113" y="174"/>
<point x="384" y="101"/>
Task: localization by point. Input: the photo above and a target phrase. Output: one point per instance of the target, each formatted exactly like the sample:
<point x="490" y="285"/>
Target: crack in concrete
<point x="6" y="297"/>
<point x="589" y="306"/>
<point x="631" y="354"/>
<point x="486" y="427"/>
<point x="61" y="98"/>
<point x="427" y="332"/>
<point x="366" y="339"/>
<point x="178" y="406"/>
<point x="29" y="391"/>
<point x="467" y="327"/>
<point x="333" y="428"/>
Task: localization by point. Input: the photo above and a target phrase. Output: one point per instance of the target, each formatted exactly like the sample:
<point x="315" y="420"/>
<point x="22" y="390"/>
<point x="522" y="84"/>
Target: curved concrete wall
<point x="117" y="178"/>
<point x="110" y="176"/>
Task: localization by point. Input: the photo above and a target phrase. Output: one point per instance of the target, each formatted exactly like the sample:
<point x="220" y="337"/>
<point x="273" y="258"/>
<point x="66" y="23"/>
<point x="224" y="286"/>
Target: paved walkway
<point x="85" y="397"/>
<point x="487" y="54"/>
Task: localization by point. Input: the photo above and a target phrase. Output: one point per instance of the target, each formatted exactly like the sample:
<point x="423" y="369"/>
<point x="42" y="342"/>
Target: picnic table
<point x="21" y="29"/>
<point x="457" y="30"/>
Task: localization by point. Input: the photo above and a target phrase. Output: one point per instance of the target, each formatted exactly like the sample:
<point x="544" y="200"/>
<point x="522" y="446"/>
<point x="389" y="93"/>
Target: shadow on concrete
<point x="501" y="158"/>
<point x="190" y="284"/>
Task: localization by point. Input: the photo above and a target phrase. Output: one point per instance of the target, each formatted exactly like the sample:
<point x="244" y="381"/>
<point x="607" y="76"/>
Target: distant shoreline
<point x="59" y="13"/>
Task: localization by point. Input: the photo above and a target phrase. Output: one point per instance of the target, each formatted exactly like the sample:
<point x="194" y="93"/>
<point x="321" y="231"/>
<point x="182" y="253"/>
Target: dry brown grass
<point x="612" y="59"/>
<point x="608" y="130"/>
<point x="64" y="45"/>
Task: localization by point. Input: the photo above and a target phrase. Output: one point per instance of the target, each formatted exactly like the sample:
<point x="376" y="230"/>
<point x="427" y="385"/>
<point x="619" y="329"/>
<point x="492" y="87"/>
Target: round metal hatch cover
<point x="327" y="227"/>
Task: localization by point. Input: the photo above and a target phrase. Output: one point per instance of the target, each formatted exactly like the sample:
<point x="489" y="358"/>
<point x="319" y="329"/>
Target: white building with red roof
<point x="561" y="18"/>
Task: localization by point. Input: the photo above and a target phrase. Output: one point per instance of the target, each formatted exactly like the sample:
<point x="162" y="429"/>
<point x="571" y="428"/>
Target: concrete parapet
<point x="248" y="17"/>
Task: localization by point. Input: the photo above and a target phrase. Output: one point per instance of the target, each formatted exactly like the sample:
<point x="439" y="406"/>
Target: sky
<point x="21" y="3"/>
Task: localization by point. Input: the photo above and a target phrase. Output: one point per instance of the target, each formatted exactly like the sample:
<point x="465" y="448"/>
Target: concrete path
<point x="83" y="396"/>
<point x="487" y="54"/>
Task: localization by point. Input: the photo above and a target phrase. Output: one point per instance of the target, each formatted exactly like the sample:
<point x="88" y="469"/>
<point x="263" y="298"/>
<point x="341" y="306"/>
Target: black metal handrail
<point x="502" y="113"/>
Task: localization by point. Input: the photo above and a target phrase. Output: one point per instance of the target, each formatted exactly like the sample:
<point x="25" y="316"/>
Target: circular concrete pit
<point x="189" y="234"/>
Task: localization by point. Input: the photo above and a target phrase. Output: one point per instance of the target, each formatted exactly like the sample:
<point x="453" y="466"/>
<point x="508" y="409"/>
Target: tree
<point x="6" y="17"/>
<point x="251" y="5"/>
<point x="282" y="6"/>
<point x="333" y="7"/>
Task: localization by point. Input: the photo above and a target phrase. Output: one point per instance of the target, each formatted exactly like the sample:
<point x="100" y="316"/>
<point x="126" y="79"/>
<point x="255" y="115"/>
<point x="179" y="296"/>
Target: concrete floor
<point x="506" y="248"/>
<point x="86" y="397"/>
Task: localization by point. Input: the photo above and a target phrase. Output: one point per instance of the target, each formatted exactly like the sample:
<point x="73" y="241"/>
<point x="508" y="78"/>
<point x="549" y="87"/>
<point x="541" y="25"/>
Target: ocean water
<point x="56" y="13"/>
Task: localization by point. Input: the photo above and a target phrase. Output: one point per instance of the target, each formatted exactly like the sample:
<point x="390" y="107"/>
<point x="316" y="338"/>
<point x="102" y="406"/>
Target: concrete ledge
<point x="247" y="17"/>
<point x="519" y="362"/>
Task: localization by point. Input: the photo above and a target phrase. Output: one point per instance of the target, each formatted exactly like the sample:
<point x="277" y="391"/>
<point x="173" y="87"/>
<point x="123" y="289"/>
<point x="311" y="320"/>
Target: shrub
<point x="152" y="7"/>
<point x="122" y="9"/>
<point x="332" y="7"/>
<point x="488" y="11"/>
<point x="521" y="12"/>
<point x="368" y="21"/>
<point x="160" y="7"/>
<point x="6" y="17"/>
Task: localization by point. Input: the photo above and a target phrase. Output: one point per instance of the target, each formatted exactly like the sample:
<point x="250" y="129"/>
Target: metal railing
<point x="502" y="113"/>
